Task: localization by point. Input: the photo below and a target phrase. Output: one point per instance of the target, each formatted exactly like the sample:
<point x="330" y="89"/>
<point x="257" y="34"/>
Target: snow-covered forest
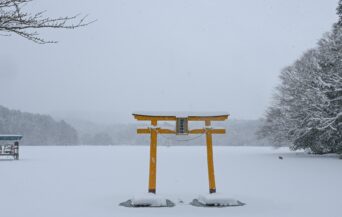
<point x="40" y="129"/>
<point x="37" y="129"/>
<point x="307" y="107"/>
<point x="239" y="133"/>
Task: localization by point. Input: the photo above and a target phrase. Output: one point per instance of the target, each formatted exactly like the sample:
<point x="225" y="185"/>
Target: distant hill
<point x="239" y="133"/>
<point x="44" y="130"/>
<point x="37" y="129"/>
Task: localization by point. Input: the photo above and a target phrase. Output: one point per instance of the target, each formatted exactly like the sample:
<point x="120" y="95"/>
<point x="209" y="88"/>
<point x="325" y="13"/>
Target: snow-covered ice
<point x="218" y="199"/>
<point x="88" y="181"/>
<point x="149" y="199"/>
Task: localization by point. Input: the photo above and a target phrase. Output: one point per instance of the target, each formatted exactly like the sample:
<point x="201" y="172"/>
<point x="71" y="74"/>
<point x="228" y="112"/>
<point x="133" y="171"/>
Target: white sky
<point x="175" y="55"/>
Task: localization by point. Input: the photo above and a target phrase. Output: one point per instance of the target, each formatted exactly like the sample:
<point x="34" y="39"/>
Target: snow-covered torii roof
<point x="192" y="116"/>
<point x="10" y="137"/>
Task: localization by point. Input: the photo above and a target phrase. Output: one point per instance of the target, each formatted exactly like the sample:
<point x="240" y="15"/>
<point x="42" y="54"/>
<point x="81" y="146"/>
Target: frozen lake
<point x="89" y="181"/>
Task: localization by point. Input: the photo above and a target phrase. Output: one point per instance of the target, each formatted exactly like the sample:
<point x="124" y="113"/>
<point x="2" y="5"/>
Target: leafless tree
<point x="14" y="19"/>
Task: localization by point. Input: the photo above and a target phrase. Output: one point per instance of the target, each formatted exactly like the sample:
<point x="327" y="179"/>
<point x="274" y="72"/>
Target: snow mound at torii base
<point x="215" y="200"/>
<point x="148" y="200"/>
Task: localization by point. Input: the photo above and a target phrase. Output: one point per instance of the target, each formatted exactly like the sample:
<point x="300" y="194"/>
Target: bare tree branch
<point x="13" y="19"/>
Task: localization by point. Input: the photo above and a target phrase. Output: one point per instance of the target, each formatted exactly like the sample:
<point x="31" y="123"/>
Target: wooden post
<point x="16" y="150"/>
<point x="211" y="174"/>
<point x="153" y="159"/>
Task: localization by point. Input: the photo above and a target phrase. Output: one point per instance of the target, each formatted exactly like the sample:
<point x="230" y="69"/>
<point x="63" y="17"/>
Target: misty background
<point x="178" y="55"/>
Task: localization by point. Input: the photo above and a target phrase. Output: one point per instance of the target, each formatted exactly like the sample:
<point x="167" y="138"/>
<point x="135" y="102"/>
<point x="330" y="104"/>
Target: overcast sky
<point x="171" y="55"/>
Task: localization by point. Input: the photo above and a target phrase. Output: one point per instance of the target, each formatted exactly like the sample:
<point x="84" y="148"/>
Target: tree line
<point x="40" y="129"/>
<point x="36" y="129"/>
<point x="239" y="133"/>
<point x="306" y="111"/>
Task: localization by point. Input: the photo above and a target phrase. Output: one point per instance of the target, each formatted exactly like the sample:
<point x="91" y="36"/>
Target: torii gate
<point x="181" y="129"/>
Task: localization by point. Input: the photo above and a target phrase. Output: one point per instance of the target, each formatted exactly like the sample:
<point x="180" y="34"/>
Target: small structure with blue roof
<point x="10" y="145"/>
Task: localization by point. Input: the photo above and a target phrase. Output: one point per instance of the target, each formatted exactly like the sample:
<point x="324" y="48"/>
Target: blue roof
<point x="10" y="137"/>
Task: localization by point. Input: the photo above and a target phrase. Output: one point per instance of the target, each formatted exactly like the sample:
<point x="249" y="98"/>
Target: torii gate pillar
<point x="153" y="159"/>
<point x="210" y="158"/>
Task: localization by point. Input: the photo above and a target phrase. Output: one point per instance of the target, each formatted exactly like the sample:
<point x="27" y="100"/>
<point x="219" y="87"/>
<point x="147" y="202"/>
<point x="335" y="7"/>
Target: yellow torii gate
<point x="181" y="129"/>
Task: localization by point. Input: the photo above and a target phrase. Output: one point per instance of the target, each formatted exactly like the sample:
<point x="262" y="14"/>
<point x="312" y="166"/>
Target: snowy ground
<point x="84" y="181"/>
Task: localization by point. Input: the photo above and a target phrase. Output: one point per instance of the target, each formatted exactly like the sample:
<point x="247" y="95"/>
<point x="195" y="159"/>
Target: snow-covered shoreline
<point x="93" y="180"/>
